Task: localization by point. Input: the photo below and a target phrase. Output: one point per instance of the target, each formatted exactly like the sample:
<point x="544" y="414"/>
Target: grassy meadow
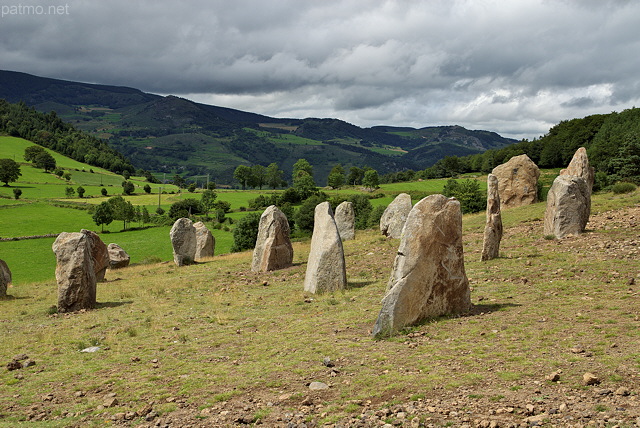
<point x="208" y="343"/>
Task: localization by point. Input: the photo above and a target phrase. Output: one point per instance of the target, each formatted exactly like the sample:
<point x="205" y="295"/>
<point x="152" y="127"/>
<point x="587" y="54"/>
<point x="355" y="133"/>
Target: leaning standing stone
<point x="493" y="226"/>
<point x="5" y="278"/>
<point x="75" y="272"/>
<point x="205" y="242"/>
<point x="118" y="258"/>
<point x="345" y="218"/>
<point x="273" y="248"/>
<point x="517" y="181"/>
<point x="99" y="253"/>
<point x="568" y="204"/>
<point x="394" y="217"/>
<point x="326" y="270"/>
<point x="428" y="277"/>
<point x="183" y="240"/>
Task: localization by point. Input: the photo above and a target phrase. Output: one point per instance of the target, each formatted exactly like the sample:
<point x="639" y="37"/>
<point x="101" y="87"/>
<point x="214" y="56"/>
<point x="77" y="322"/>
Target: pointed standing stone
<point x="568" y="206"/>
<point x="326" y="270"/>
<point x="517" y="181"/>
<point x="394" y="217"/>
<point x="183" y="240"/>
<point x="273" y="248"/>
<point x="5" y="278"/>
<point x="345" y="218"/>
<point x="493" y="226"/>
<point x="205" y="242"/>
<point x="75" y="272"/>
<point x="428" y="277"/>
<point x="579" y="167"/>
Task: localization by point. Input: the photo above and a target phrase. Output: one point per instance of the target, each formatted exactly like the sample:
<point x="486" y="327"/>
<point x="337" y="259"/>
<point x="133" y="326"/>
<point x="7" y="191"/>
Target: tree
<point x="69" y="191"/>
<point x="128" y="187"/>
<point x="273" y="176"/>
<point x="17" y="193"/>
<point x="192" y="187"/>
<point x="80" y="191"/>
<point x="184" y="208"/>
<point x="371" y="179"/>
<point x="122" y="210"/>
<point x="258" y="176"/>
<point x="145" y="215"/>
<point x="178" y="181"/>
<point x="355" y="175"/>
<point x="246" y="233"/>
<point x="9" y="171"/>
<point x="304" y="216"/>
<point x="67" y="176"/>
<point x="126" y="174"/>
<point x="336" y="177"/>
<point x="242" y="174"/>
<point x="45" y="161"/>
<point x="304" y="185"/>
<point x="211" y="185"/>
<point x="103" y="214"/>
<point x="208" y="200"/>
<point x="626" y="165"/>
<point x="472" y="199"/>
<point x="301" y="165"/>
<point x="103" y="191"/>
<point x="32" y="152"/>
<point x="147" y="189"/>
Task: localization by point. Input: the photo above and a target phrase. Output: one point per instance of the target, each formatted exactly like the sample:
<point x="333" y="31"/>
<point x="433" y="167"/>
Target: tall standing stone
<point x="579" y="167"/>
<point x="75" y="272"/>
<point x="183" y="240"/>
<point x="428" y="277"/>
<point x="118" y="258"/>
<point x="205" y="242"/>
<point x="273" y="248"/>
<point x="326" y="271"/>
<point x="5" y="278"/>
<point x="517" y="181"/>
<point x="493" y="226"/>
<point x="568" y="203"/>
<point x="345" y="218"/>
<point x="99" y="253"/>
<point x="395" y="216"/>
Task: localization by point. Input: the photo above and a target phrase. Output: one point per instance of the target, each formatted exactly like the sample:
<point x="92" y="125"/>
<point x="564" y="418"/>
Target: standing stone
<point x="273" y="248"/>
<point x="99" y="253"/>
<point x="568" y="205"/>
<point x="75" y="272"/>
<point x="118" y="258"/>
<point x="428" y="277"/>
<point x="345" y="218"/>
<point x="5" y="278"/>
<point x="205" y="242"/>
<point x="517" y="181"/>
<point x="493" y="227"/>
<point x="183" y="240"/>
<point x="395" y="216"/>
<point x="579" y="167"/>
<point x="326" y="271"/>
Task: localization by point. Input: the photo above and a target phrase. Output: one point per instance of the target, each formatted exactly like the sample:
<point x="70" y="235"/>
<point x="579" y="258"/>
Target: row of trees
<point x="116" y="208"/>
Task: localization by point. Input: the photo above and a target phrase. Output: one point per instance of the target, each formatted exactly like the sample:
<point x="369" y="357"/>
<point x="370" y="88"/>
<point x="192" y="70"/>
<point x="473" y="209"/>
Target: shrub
<point x="472" y="199"/>
<point x="601" y="181"/>
<point x="376" y="215"/>
<point x="305" y="214"/>
<point x="362" y="208"/>
<point x="184" y="208"/>
<point x="246" y="233"/>
<point x="623" y="187"/>
<point x="17" y="193"/>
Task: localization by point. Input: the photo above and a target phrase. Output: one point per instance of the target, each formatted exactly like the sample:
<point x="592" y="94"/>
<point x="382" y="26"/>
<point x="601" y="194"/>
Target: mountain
<point x="175" y="135"/>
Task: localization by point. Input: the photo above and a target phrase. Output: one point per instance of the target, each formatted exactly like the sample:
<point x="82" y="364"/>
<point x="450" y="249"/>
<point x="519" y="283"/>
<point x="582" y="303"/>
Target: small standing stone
<point x="326" y="271"/>
<point x="567" y="210"/>
<point x="345" y="218"/>
<point x="428" y="277"/>
<point x="75" y="272"/>
<point x="590" y="379"/>
<point x="183" y="240"/>
<point x="205" y="241"/>
<point x="273" y="248"/>
<point x="5" y="278"/>
<point x="118" y="258"/>
<point x="394" y="217"/>
<point x="493" y="226"/>
<point x="517" y="181"/>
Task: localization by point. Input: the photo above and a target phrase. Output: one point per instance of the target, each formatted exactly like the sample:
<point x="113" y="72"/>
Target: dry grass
<point x="214" y="333"/>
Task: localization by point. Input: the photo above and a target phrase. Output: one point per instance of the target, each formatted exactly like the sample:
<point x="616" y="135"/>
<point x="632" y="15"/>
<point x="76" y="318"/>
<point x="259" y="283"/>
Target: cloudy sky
<point x="516" y="67"/>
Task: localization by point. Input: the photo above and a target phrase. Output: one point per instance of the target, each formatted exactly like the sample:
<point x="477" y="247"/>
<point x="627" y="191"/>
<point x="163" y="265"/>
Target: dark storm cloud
<point x="513" y="67"/>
